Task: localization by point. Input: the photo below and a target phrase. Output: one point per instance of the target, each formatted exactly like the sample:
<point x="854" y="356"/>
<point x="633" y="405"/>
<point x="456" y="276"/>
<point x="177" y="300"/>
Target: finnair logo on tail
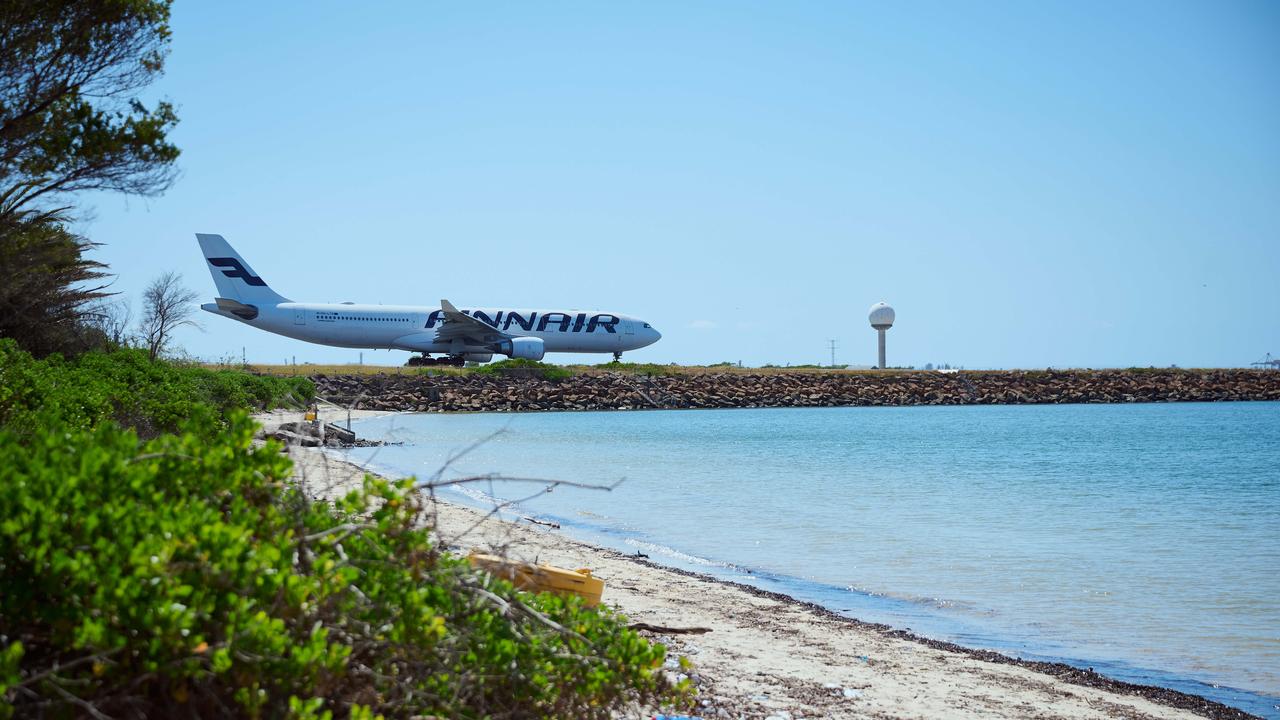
<point x="237" y="271"/>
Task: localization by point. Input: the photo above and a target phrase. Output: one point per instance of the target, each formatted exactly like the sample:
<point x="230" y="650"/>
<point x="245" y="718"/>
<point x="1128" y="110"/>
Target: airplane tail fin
<point x="233" y="276"/>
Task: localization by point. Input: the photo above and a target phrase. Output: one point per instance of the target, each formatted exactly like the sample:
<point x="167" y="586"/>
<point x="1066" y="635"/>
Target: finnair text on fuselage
<point x="529" y="320"/>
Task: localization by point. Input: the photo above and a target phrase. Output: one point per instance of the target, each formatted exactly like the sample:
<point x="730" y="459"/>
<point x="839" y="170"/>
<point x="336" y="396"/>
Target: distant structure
<point x="1268" y="362"/>
<point x="881" y="318"/>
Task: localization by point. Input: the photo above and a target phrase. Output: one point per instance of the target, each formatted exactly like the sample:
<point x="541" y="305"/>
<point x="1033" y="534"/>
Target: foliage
<point x="69" y="116"/>
<point x="47" y="283"/>
<point x="125" y="386"/>
<point x="523" y="366"/>
<point x="186" y="577"/>
<point x="69" y="122"/>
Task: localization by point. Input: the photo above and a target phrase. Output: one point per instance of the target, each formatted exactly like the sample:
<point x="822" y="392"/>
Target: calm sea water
<point x="1141" y="540"/>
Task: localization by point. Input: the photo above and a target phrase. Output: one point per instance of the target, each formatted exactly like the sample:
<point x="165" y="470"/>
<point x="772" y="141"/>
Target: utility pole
<point x="1268" y="362"/>
<point x="833" y="352"/>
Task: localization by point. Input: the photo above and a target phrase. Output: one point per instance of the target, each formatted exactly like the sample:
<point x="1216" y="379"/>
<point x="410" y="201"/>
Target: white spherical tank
<point x="881" y="316"/>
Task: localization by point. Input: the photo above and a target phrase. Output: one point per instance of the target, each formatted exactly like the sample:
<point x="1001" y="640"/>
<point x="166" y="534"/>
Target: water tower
<point x="881" y="318"/>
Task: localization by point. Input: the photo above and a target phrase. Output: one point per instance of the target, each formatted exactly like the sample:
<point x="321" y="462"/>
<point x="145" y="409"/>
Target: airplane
<point x="457" y="336"/>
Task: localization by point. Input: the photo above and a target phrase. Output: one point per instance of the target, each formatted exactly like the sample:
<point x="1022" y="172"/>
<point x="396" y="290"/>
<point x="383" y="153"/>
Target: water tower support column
<point x="881" y="317"/>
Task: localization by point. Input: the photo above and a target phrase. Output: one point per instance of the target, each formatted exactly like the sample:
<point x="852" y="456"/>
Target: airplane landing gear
<point x="425" y="360"/>
<point x="617" y="356"/>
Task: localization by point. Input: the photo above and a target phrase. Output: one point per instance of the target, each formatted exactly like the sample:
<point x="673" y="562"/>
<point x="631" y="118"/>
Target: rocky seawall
<point x="622" y="391"/>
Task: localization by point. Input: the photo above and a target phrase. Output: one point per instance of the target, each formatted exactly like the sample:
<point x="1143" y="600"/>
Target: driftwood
<point x="668" y="630"/>
<point x="536" y="521"/>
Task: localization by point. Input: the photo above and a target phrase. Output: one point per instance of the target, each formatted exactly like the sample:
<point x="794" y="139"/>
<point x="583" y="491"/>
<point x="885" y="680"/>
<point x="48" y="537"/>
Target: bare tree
<point x="166" y="306"/>
<point x="112" y="319"/>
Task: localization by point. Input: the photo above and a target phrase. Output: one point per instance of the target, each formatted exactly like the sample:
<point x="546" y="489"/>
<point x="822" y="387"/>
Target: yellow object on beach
<point x="543" y="577"/>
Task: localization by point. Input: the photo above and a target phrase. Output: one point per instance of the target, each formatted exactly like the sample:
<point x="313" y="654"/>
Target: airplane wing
<point x="464" y="327"/>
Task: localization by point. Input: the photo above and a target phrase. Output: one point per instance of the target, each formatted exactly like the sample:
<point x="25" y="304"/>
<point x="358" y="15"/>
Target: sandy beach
<point x="767" y="655"/>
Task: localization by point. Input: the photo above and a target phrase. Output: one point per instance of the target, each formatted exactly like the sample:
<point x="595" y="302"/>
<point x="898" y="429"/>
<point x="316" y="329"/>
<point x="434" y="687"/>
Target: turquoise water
<point x="1141" y="540"/>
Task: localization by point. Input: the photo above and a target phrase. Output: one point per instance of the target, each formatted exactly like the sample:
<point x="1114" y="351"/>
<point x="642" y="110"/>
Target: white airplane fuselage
<point x="411" y="327"/>
<point x="466" y="334"/>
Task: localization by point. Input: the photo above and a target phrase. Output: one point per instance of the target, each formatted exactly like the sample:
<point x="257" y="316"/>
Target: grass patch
<point x="310" y="369"/>
<point x="808" y="367"/>
<point x="649" y="369"/>
<point x="525" y="368"/>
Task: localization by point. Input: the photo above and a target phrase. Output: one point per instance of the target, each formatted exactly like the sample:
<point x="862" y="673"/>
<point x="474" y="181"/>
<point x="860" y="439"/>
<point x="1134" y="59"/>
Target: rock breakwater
<point x="623" y="391"/>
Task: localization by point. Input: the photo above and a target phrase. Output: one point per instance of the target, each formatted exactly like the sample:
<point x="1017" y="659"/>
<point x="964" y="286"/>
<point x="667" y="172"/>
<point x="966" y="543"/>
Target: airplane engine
<point x="528" y="348"/>
<point x="478" y="357"/>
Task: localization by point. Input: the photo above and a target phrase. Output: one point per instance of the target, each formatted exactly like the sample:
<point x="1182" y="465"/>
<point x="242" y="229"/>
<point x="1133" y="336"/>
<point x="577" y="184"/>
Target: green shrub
<point x="649" y="369"/>
<point x="186" y="573"/>
<point x="522" y="366"/>
<point x="125" y="386"/>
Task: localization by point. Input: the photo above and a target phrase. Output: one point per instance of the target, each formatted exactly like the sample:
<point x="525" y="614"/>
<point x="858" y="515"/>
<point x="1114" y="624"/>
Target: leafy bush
<point x="186" y="574"/>
<point x="125" y="386"/>
<point x="522" y="366"/>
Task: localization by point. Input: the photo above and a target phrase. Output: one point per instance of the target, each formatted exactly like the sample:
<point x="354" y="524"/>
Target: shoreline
<point x="769" y="652"/>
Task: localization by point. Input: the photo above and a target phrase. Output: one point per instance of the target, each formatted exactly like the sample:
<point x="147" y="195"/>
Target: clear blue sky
<point x="1030" y="184"/>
